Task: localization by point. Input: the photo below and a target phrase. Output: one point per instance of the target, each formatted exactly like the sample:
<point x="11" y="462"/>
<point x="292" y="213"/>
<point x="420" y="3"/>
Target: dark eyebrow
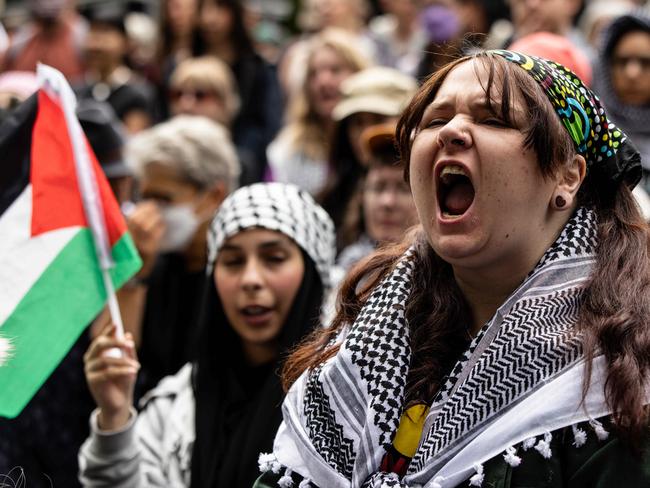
<point x="264" y="245"/>
<point x="230" y="247"/>
<point x="274" y="243"/>
<point x="156" y="195"/>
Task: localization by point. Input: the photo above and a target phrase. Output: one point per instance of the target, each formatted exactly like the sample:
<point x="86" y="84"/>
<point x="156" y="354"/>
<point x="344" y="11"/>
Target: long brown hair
<point x="616" y="305"/>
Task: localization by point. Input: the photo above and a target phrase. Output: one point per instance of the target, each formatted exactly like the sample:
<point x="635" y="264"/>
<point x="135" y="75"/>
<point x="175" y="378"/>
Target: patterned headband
<point x="279" y="207"/>
<point x="604" y="146"/>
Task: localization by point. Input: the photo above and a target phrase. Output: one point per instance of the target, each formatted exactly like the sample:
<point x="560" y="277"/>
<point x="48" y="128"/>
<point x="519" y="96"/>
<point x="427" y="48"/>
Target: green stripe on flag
<point x="51" y="316"/>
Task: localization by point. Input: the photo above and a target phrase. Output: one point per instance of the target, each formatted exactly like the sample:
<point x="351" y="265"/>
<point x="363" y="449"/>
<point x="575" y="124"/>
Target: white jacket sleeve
<point x="152" y="450"/>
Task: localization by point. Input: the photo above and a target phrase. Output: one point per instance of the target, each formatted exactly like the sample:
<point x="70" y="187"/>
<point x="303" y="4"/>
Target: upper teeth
<point x="453" y="169"/>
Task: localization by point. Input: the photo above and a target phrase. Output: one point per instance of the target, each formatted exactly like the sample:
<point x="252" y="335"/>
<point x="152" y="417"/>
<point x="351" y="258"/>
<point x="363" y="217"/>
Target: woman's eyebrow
<point x="230" y="247"/>
<point x="270" y="244"/>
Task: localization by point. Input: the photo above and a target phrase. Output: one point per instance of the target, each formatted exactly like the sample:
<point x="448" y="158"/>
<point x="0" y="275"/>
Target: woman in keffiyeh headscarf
<point x="622" y="80"/>
<point x="270" y="249"/>
<point x="505" y="342"/>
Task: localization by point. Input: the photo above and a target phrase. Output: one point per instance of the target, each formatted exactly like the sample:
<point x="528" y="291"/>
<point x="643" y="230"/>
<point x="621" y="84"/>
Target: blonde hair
<point x="304" y="128"/>
<point x="212" y="73"/>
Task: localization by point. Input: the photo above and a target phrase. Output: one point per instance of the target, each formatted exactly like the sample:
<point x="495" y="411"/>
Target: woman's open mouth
<point x="455" y="191"/>
<point x="256" y="314"/>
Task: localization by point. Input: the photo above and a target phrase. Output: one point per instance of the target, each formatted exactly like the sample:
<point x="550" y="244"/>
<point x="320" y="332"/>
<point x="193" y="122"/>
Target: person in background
<point x="223" y="33"/>
<point x="383" y="209"/>
<point x="184" y="168"/>
<point x="597" y="15"/>
<point x="177" y="30"/>
<point x="55" y="35"/>
<point x="44" y="439"/>
<point x="107" y="137"/>
<point x="271" y="248"/>
<point x="555" y="16"/>
<point x="299" y="153"/>
<point x="622" y="80"/>
<point x="399" y="36"/>
<point x="205" y="86"/>
<point x="371" y="96"/>
<point x="107" y="77"/>
<point x="177" y="27"/>
<point x="350" y="16"/>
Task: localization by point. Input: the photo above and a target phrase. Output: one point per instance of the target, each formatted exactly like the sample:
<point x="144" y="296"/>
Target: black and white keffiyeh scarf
<point x="520" y="377"/>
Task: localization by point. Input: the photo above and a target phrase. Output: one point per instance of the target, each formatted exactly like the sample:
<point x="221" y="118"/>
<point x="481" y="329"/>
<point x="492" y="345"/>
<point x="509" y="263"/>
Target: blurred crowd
<point x="183" y="101"/>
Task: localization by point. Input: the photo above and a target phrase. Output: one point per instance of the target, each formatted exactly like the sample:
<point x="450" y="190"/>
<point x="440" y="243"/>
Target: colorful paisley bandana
<point x="604" y="146"/>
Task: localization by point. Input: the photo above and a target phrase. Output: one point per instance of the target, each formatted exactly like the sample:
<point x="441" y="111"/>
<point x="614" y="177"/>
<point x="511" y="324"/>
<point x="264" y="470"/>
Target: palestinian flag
<point x="51" y="280"/>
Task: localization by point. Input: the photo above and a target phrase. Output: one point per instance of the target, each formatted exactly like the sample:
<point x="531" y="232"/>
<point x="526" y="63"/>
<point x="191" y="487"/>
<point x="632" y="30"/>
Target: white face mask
<point x="181" y="224"/>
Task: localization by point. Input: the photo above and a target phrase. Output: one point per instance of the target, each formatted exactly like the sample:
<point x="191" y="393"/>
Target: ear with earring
<point x="560" y="202"/>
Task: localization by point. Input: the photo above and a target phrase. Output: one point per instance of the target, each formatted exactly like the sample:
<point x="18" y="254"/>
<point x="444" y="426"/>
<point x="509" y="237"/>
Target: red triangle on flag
<point x="56" y="199"/>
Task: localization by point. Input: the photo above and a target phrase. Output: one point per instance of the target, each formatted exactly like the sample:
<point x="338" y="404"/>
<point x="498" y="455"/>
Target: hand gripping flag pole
<point x="55" y="84"/>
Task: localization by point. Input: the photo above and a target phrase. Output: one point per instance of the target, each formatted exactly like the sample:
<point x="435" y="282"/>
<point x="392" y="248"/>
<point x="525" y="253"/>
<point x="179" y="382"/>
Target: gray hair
<point x="196" y="147"/>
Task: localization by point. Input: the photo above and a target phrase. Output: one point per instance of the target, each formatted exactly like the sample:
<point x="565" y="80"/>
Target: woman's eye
<point x="436" y="123"/>
<point x="276" y="258"/>
<point x="495" y="122"/>
<point x="232" y="262"/>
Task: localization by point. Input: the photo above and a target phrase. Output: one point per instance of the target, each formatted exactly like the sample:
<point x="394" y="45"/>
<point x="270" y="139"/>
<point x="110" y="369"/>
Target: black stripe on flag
<point x="15" y="151"/>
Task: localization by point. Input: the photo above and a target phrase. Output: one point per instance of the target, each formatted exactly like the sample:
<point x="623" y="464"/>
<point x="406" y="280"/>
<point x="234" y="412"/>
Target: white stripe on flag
<point x="23" y="259"/>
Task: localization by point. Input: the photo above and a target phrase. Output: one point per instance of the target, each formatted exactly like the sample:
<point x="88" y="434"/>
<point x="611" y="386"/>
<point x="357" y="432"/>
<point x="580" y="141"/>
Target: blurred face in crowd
<point x="388" y="208"/>
<point x="257" y="275"/>
<point x="400" y="8"/>
<point x="325" y="73"/>
<point x="181" y="16"/>
<point x="630" y="68"/>
<point x="105" y="46"/>
<point x="192" y="99"/>
<point x="554" y="16"/>
<point x="184" y="206"/>
<point x="216" y="21"/>
<point x="337" y="13"/>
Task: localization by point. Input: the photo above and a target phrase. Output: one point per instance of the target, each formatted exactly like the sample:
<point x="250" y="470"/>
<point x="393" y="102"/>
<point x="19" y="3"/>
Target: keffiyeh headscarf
<point x="281" y="207"/>
<point x="604" y="146"/>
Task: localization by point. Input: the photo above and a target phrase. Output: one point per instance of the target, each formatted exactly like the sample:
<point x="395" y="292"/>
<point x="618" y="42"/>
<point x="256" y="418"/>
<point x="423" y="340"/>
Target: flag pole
<point x="54" y="83"/>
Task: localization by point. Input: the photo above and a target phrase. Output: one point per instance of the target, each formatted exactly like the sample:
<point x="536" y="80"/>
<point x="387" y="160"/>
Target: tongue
<point x="459" y="197"/>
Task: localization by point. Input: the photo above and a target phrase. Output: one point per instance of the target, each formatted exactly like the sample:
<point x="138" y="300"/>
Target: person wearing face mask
<point x="270" y="248"/>
<point x="184" y="169"/>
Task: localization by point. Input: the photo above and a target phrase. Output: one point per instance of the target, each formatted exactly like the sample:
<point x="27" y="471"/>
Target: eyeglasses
<point x="199" y="95"/>
<point x="622" y="62"/>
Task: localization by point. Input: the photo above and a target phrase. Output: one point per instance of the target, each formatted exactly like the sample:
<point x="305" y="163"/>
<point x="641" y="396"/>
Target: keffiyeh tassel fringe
<point x="528" y="443"/>
<point x="477" y="479"/>
<point x="511" y="457"/>
<point x="266" y="462"/>
<point x="579" y="436"/>
<point x="286" y="481"/>
<point x="544" y="446"/>
<point x="600" y="431"/>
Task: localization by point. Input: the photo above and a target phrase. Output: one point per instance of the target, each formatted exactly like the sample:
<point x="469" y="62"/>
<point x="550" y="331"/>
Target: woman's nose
<point x="252" y="277"/>
<point x="454" y="135"/>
